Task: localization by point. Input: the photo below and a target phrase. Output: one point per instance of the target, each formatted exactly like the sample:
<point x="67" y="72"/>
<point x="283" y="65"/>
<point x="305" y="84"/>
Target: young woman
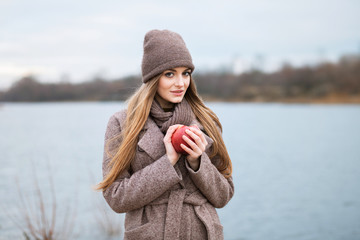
<point x="164" y="194"/>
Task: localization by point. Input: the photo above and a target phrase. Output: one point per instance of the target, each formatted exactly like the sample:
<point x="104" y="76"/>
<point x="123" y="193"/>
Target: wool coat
<point x="162" y="201"/>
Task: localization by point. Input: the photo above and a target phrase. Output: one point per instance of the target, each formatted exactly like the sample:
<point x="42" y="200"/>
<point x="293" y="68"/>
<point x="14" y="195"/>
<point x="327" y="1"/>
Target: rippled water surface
<point x="296" y="167"/>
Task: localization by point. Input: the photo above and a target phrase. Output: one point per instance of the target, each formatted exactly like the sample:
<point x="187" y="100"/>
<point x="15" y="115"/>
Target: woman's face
<point x="172" y="86"/>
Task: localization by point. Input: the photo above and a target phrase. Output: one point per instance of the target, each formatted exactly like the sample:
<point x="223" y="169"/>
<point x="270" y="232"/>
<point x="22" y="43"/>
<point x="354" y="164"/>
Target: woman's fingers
<point x="173" y="128"/>
<point x="196" y="145"/>
<point x="187" y="149"/>
<point x="170" y="132"/>
<point x="198" y="132"/>
<point x="193" y="150"/>
<point x="193" y="145"/>
<point x="195" y="126"/>
<point x="170" y="151"/>
<point x="198" y="137"/>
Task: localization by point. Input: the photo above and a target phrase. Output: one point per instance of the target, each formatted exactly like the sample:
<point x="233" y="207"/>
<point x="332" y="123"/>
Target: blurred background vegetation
<point x="325" y="82"/>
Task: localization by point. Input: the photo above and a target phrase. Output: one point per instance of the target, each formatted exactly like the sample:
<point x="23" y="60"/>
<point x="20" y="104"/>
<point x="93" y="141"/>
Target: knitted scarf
<point x="182" y="114"/>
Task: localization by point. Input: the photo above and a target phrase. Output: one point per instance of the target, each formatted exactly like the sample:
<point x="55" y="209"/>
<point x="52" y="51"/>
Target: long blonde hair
<point x="138" y="110"/>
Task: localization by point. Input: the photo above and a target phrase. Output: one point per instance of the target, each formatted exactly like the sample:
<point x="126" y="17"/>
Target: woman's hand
<point x="197" y="147"/>
<point x="170" y="151"/>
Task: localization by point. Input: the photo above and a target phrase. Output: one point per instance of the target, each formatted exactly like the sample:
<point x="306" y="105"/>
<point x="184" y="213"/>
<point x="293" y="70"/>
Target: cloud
<point x="9" y="73"/>
<point x="79" y="38"/>
<point x="15" y="70"/>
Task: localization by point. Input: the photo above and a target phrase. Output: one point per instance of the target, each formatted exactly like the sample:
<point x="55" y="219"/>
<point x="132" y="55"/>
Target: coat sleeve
<point x="134" y="190"/>
<point x="212" y="184"/>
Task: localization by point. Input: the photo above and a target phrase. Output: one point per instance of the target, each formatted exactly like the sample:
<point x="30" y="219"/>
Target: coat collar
<point x="152" y="140"/>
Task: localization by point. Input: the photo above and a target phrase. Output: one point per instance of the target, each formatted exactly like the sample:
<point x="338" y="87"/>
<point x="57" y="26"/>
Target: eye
<point x="169" y="74"/>
<point x="187" y="73"/>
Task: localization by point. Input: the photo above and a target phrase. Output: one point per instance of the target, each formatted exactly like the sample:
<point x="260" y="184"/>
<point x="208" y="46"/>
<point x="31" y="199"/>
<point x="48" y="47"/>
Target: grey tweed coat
<point x="162" y="201"/>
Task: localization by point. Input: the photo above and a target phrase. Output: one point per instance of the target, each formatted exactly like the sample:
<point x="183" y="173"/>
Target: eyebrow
<point x="173" y="70"/>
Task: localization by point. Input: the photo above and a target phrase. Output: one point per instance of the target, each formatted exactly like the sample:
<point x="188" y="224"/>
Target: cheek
<point x="164" y="83"/>
<point x="162" y="92"/>
<point x="187" y="83"/>
<point x="162" y="87"/>
<point x="161" y="84"/>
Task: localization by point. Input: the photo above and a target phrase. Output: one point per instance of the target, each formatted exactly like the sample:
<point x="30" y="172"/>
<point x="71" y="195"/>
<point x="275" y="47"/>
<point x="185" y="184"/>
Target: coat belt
<point x="173" y="214"/>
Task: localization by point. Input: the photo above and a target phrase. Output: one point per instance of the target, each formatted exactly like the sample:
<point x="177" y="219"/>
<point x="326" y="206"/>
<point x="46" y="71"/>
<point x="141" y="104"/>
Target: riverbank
<point x="329" y="99"/>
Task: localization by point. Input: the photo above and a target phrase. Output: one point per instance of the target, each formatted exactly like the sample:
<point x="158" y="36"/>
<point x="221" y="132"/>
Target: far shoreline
<point x="330" y="99"/>
<point x="345" y="100"/>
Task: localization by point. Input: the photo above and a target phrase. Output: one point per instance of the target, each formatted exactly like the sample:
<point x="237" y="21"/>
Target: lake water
<point x="296" y="167"/>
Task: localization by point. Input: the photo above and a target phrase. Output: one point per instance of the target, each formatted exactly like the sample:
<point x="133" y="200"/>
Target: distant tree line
<point x="341" y="79"/>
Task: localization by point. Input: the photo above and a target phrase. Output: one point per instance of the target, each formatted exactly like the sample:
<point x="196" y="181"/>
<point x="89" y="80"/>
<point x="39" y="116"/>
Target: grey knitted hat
<point x="163" y="49"/>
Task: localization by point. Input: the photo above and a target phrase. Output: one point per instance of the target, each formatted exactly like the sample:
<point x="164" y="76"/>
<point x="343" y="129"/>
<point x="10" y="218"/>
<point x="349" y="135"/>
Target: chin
<point x="176" y="100"/>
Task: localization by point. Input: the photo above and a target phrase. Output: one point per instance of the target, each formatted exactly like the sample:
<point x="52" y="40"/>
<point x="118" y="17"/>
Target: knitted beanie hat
<point x="163" y="49"/>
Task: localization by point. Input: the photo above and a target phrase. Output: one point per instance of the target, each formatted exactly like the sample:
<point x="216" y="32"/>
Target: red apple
<point x="177" y="140"/>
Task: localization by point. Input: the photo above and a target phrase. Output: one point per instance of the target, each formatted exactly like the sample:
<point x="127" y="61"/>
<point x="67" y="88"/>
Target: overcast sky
<point x="77" y="40"/>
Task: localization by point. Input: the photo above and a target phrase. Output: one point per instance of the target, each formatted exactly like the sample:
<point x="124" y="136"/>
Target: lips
<point x="177" y="91"/>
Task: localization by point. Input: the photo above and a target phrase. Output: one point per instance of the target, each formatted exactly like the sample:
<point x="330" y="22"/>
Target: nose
<point x="179" y="82"/>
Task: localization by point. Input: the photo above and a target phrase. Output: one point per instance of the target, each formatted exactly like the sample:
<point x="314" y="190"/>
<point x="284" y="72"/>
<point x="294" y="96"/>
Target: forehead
<point x="178" y="69"/>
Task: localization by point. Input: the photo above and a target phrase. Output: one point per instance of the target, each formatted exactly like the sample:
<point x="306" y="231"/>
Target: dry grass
<point x="108" y="222"/>
<point x="37" y="217"/>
